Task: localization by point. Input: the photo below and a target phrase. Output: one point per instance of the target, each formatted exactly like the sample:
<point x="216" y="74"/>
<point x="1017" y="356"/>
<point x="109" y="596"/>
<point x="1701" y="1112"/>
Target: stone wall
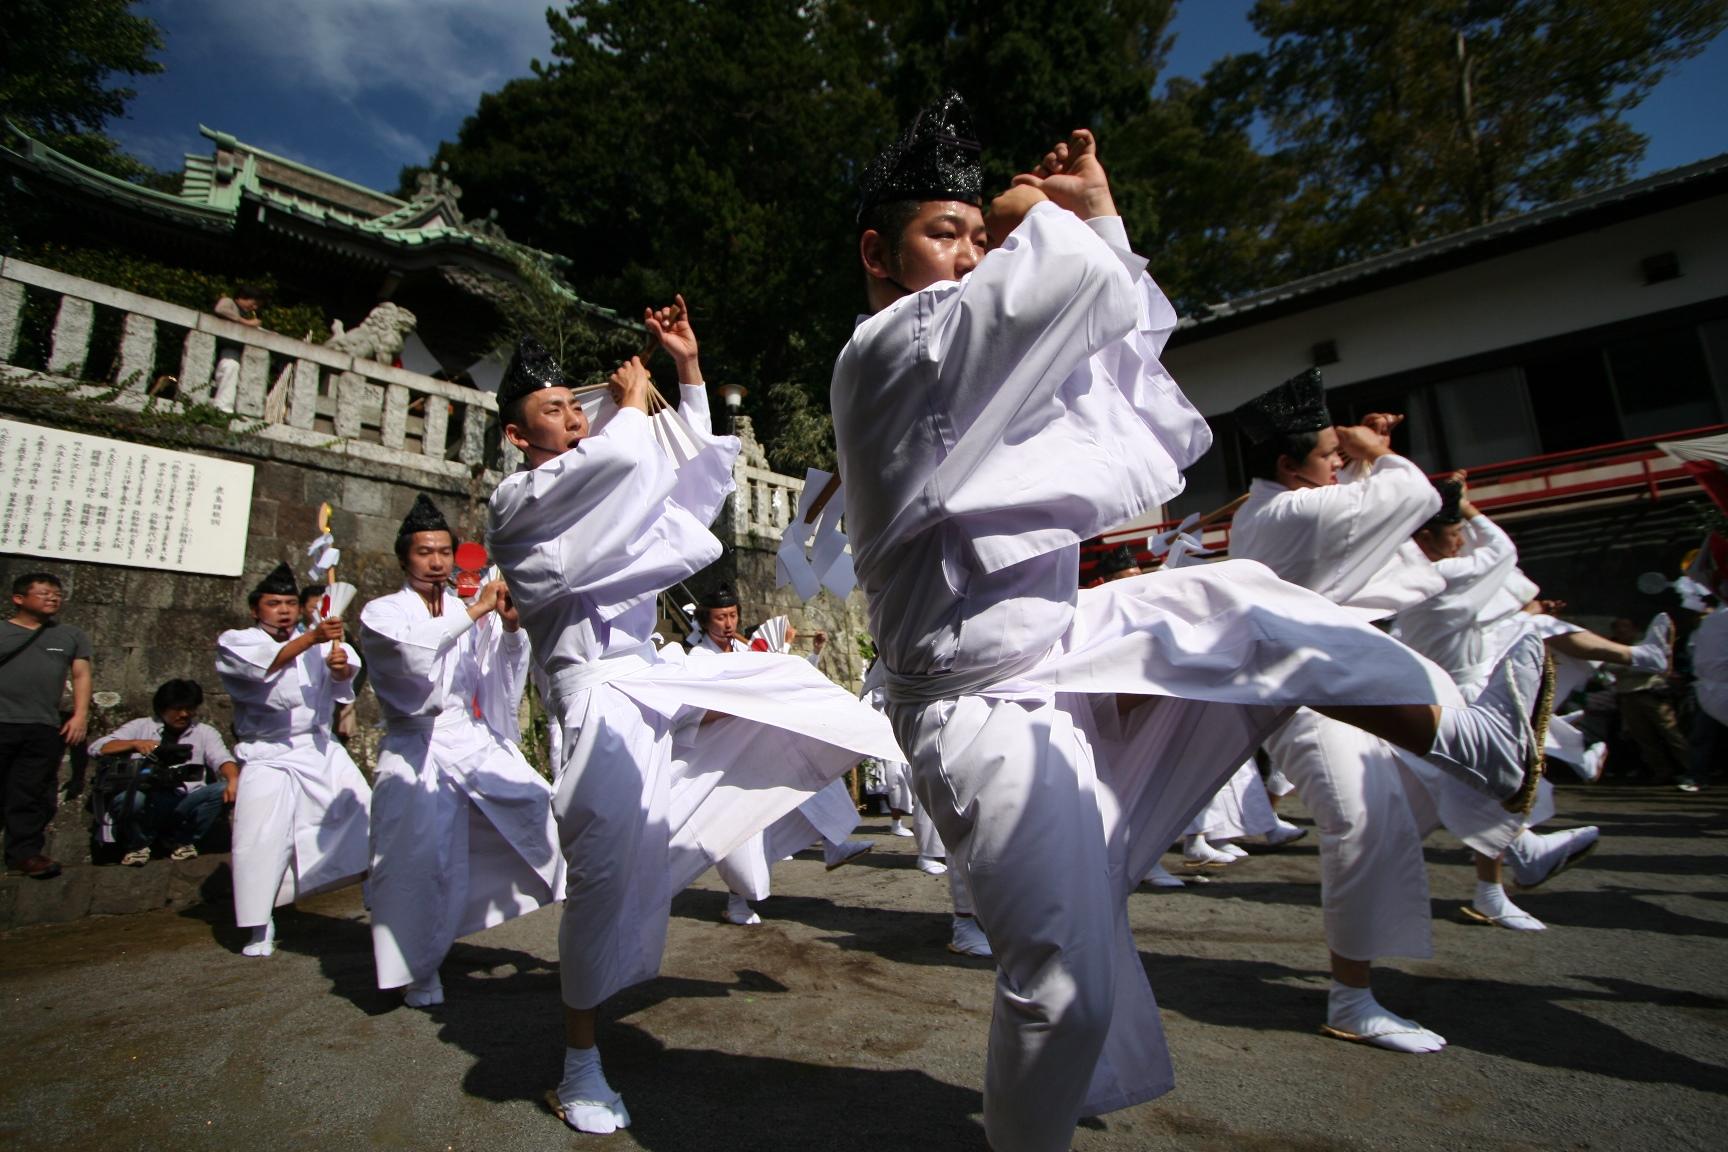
<point x="148" y="626"/>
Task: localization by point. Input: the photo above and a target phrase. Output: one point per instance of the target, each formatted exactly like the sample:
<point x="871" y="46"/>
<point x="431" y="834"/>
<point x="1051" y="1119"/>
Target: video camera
<point x="165" y="768"/>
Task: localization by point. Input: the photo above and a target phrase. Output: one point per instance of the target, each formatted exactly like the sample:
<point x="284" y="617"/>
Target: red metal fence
<point x="1512" y="489"/>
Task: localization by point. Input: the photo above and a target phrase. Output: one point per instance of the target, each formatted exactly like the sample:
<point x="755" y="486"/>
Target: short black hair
<point x="22" y="585"/>
<point x="889" y="220"/>
<point x="310" y="591"/>
<point x="248" y="292"/>
<point x="177" y="694"/>
<point x="1262" y="459"/>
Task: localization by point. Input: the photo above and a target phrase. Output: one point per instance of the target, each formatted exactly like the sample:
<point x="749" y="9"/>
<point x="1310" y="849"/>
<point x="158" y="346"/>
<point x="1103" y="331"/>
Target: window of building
<point x="1572" y="400"/>
<point x="1662" y="382"/>
<point x="1486" y="418"/>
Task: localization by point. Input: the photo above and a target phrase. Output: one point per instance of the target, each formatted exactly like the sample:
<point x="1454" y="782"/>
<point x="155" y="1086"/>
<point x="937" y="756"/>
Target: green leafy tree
<point x="58" y="61"/>
<point x="1412" y="120"/>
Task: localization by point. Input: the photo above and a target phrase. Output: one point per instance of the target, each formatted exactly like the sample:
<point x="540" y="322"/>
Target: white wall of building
<point x="1569" y="285"/>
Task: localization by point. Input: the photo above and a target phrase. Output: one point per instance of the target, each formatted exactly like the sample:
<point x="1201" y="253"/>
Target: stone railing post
<point x="11" y="312"/>
<point x="254" y="381"/>
<point x="71" y="337"/>
<point x="197" y="365"/>
<point x="437" y="427"/>
<point x="137" y="352"/>
<point x="303" y="395"/>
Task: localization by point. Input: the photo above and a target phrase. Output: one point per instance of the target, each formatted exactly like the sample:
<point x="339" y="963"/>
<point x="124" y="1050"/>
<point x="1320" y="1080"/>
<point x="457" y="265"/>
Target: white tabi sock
<point x="738" y="911"/>
<point x="932" y="865"/>
<point x="1284" y="832"/>
<point x="897" y="827"/>
<point x="1355" y="1013"/>
<point x="1537" y="858"/>
<point x="1161" y="877"/>
<point x="263" y="941"/>
<point x="1491" y="902"/>
<point x="424" y="993"/>
<point x="845" y="851"/>
<point x="1198" y="853"/>
<point x="1485" y="745"/>
<point x="1230" y="850"/>
<point x="590" y="1104"/>
<point x="1656" y="652"/>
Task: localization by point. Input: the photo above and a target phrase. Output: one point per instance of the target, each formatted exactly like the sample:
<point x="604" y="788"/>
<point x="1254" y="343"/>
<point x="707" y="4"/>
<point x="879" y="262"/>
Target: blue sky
<point x="362" y="87"/>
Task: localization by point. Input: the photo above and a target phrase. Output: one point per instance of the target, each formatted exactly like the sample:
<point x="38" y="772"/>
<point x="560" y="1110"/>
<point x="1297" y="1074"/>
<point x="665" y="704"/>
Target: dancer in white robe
<point x="462" y="830"/>
<point x="669" y="764"/>
<point x="829" y="816"/>
<point x="1346" y="534"/>
<point x="1003" y="403"/>
<point x="300" y="810"/>
<point x="1474" y="557"/>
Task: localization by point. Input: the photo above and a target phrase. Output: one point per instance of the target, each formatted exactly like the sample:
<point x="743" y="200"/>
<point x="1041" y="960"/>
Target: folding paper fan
<point x="772" y="634"/>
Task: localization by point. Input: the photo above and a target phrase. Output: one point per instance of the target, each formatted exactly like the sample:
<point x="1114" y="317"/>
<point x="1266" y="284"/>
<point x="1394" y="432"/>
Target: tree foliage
<point x="58" y="61"/>
<point x="1402" y="122"/>
<point x="713" y="149"/>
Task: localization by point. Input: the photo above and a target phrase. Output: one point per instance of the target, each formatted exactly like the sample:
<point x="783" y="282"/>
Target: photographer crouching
<point x="167" y="778"/>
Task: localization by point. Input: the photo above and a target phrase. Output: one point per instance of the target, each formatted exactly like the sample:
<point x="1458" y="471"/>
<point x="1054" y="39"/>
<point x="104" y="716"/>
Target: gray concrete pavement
<point x="842" y="1023"/>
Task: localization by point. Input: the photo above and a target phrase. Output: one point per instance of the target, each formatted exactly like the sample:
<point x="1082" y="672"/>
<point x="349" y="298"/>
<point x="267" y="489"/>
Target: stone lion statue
<point x="378" y="338"/>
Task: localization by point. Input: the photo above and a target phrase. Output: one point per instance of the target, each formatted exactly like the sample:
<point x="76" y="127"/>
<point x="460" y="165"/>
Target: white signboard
<point x="69" y="496"/>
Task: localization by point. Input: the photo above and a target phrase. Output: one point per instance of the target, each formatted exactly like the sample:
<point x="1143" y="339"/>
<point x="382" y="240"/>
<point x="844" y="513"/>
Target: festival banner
<point x="69" y="496"/>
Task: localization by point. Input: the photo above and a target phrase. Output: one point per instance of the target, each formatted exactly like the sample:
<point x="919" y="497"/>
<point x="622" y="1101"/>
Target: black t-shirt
<point x="32" y="681"/>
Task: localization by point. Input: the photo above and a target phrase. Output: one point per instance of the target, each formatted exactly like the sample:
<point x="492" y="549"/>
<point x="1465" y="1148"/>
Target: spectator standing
<point x="183" y="816"/>
<point x="241" y="308"/>
<point x="38" y="654"/>
<point x="1647" y="716"/>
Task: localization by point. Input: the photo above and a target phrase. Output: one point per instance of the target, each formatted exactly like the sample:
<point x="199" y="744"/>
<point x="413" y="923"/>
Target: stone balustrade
<point x="304" y="394"/>
<point x="763" y="503"/>
<point x="290" y="390"/>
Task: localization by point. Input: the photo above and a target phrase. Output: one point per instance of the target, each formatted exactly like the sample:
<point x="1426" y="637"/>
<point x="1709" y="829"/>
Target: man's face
<point x="246" y="303"/>
<point x="1320" y="467"/>
<point x="276" y="612"/>
<point x="309" y="610"/>
<point x="430" y="558"/>
<point x="40" y="599"/>
<point x="1125" y="574"/>
<point x="723" y="625"/>
<point x="178" y="719"/>
<point x="1442" y="543"/>
<point x="944" y="241"/>
<point x="552" y="423"/>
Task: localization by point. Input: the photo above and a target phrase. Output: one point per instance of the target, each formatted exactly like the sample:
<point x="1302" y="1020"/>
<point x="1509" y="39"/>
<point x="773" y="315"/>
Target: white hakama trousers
<point x="300" y="815"/>
<point x="830" y="815"/>
<point x="462" y="839"/>
<point x="903" y="798"/>
<point x="1238" y="809"/>
<point x="652" y="792"/>
<point x="1373" y="879"/>
<point x="1059" y="803"/>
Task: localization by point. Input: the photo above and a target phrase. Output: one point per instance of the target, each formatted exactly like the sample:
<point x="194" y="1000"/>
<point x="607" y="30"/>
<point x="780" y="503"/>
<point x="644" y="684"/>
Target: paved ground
<point x="842" y="1024"/>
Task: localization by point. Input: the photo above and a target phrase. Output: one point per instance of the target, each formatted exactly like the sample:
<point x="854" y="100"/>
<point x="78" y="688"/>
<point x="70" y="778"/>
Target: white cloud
<point x="445" y="53"/>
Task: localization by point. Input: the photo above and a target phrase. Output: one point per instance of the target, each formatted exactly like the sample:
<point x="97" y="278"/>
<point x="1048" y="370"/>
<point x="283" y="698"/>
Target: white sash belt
<point x="567" y="682"/>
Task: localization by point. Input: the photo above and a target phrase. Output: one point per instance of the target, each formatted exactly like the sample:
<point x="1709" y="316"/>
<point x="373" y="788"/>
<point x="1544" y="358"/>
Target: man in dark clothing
<point x="37" y="656"/>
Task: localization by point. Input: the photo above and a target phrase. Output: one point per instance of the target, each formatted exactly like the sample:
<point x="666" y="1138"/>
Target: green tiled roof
<point x="298" y="200"/>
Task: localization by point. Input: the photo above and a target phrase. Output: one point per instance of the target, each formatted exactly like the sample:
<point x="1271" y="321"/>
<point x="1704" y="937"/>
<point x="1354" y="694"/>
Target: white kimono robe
<point x="830" y="815"/>
<point x="462" y="830"/>
<point x="1446" y="628"/>
<point x="301" y="806"/>
<point x="1351" y="542"/>
<point x="650" y="793"/>
<point x="1503" y="620"/>
<point x="987" y="427"/>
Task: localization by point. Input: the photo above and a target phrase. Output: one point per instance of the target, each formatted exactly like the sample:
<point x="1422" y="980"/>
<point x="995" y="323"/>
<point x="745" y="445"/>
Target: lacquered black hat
<point x="721" y="597"/>
<point x="936" y="158"/>
<point x="1117" y="560"/>
<point x="1297" y="405"/>
<point x="1451" y="501"/>
<point x="423" y="517"/>
<point x="280" y="582"/>
<point x="531" y="369"/>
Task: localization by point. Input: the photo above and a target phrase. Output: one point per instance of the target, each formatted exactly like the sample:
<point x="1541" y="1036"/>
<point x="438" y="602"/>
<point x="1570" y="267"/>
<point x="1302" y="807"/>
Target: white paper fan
<point x="336" y="599"/>
<point x="773" y="633"/>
